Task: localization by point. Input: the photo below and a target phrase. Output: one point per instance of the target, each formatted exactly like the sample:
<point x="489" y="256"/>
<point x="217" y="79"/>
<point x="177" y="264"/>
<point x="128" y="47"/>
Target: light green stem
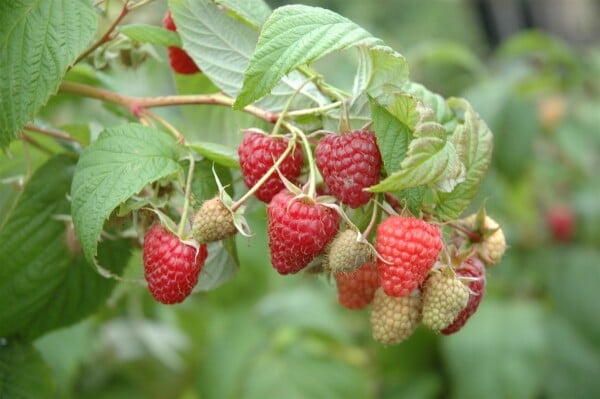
<point x="186" y="196"/>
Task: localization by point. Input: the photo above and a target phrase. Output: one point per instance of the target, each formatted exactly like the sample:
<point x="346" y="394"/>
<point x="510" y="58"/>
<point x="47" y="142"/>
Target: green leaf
<point x="499" y="354"/>
<point x="389" y="74"/>
<point x="222" y="45"/>
<point x="293" y="36"/>
<point x="38" y="41"/>
<point x="45" y="282"/>
<point x="573" y="363"/>
<point x="204" y="185"/>
<point x="473" y="141"/>
<point x="118" y="165"/>
<point x="221" y="265"/>
<point x="442" y="111"/>
<point x="431" y="159"/>
<point x="394" y="128"/>
<point x="572" y="280"/>
<point x="66" y="360"/>
<point x="221" y="154"/>
<point x="255" y="12"/>
<point x="151" y="34"/>
<point x="23" y="373"/>
<point x="295" y="375"/>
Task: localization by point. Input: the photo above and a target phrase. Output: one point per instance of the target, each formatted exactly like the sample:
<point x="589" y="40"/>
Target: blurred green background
<point x="535" y="79"/>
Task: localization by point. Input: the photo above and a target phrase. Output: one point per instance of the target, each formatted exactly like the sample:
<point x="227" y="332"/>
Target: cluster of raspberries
<point x="403" y="276"/>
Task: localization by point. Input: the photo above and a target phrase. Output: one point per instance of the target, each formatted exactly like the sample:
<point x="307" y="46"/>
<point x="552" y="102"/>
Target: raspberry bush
<point x="369" y="188"/>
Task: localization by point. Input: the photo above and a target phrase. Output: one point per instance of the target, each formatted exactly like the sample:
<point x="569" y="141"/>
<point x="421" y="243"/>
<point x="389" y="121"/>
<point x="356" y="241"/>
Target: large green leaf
<point x="573" y="278"/>
<point x="38" y="41"/>
<point x="255" y="12"/>
<point x="293" y="36"/>
<point x="23" y="373"/>
<point x="221" y="45"/>
<point x="574" y="364"/>
<point x="118" y="165"/>
<point x="499" y="354"/>
<point x="282" y="353"/>
<point x="45" y="282"/>
<point x="473" y="141"/>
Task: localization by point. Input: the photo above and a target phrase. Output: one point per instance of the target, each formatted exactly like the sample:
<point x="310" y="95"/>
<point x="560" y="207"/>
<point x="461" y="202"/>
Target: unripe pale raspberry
<point x="444" y="297"/>
<point x="473" y="268"/>
<point x="346" y="253"/>
<point x="494" y="245"/>
<point x="394" y="319"/>
<point x="213" y="222"/>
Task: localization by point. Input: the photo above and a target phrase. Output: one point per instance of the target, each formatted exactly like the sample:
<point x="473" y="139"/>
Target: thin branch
<point x="55" y="133"/>
<point x="137" y="104"/>
<point x="107" y="36"/>
<point x="34" y="143"/>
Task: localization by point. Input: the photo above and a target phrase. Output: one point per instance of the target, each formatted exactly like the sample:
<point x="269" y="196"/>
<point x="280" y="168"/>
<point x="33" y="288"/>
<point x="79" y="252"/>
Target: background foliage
<point x="536" y="334"/>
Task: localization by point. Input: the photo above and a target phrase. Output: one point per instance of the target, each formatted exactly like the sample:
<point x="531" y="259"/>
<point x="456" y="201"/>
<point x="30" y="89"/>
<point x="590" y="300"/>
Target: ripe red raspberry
<point x="179" y="60"/>
<point x="171" y="267"/>
<point x="258" y="152"/>
<point x="411" y="247"/>
<point x="299" y="230"/>
<point x="471" y="267"/>
<point x="357" y="289"/>
<point x="561" y="222"/>
<point x="349" y="163"/>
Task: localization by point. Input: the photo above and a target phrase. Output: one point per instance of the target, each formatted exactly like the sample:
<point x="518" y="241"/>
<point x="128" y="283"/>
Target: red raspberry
<point x="171" y="267"/>
<point x="471" y="267"/>
<point x="299" y="230"/>
<point x="258" y="152"/>
<point x="561" y="221"/>
<point x="357" y="289"/>
<point x="349" y="164"/>
<point x="180" y="60"/>
<point x="411" y="246"/>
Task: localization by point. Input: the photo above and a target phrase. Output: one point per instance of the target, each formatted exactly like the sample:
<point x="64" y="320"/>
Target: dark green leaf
<point x="499" y="354"/>
<point x="45" y="282"/>
<point x="118" y="165"/>
<point x="573" y="279"/>
<point x="204" y="185"/>
<point x="393" y="133"/>
<point x="293" y="36"/>
<point x="38" y="41"/>
<point x="573" y="363"/>
<point x="23" y="373"/>
<point x="151" y="34"/>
